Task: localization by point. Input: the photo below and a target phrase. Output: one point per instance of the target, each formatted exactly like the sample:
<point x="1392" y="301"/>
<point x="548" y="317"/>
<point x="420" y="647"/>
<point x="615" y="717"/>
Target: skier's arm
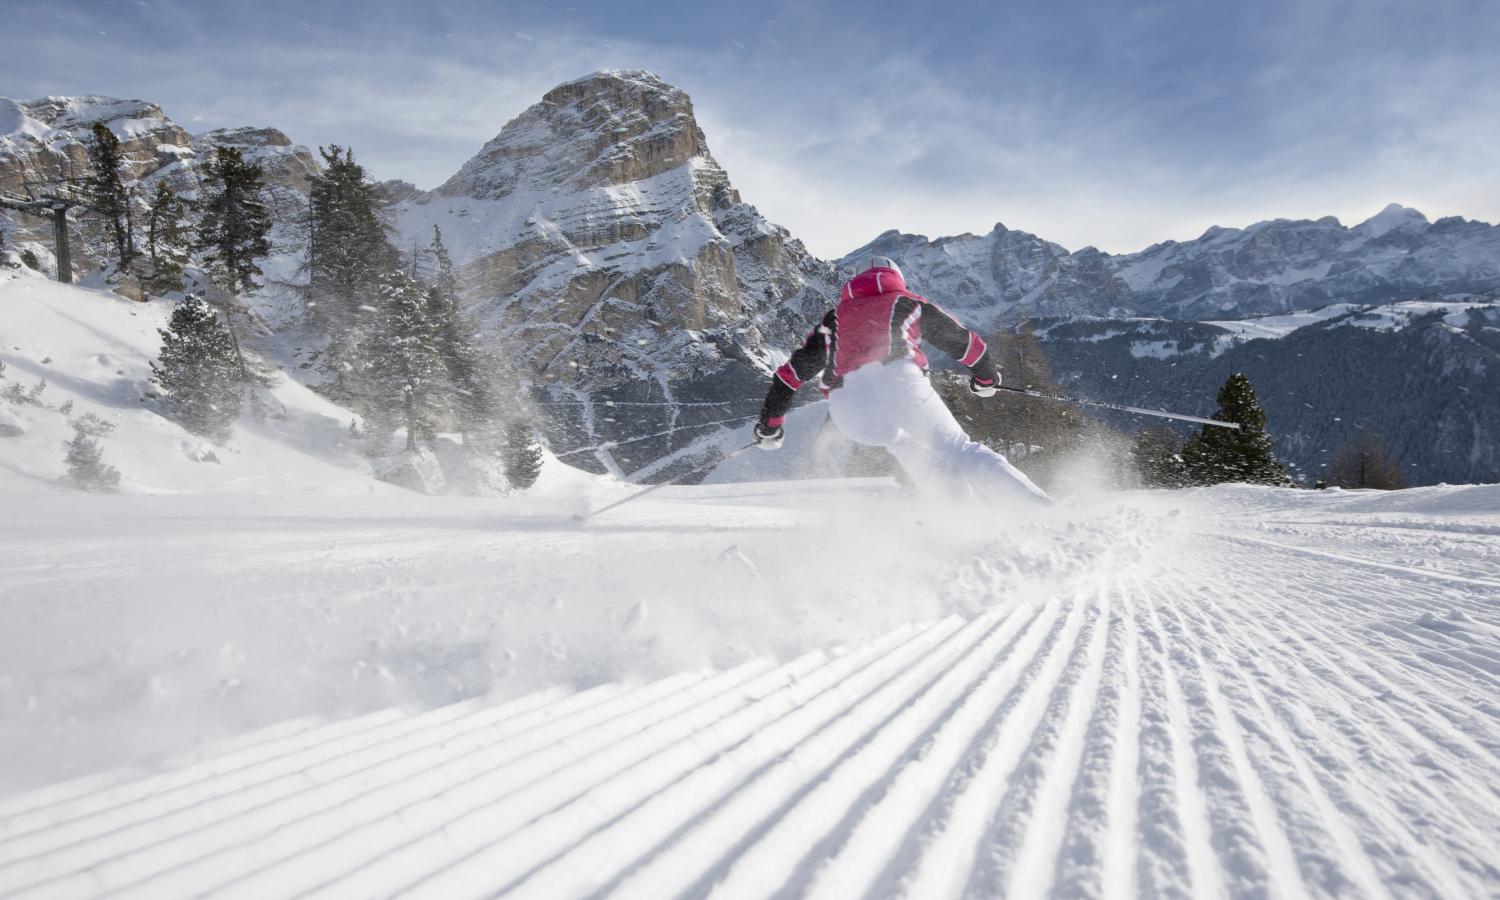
<point x="805" y="364"/>
<point x="949" y="335"/>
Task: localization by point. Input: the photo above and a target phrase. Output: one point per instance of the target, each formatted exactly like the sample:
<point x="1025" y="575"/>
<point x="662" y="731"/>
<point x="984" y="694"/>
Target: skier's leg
<point x="932" y="431"/>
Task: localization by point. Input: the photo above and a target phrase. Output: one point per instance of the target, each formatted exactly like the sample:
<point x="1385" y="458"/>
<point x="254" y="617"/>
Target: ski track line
<point x="890" y="819"/>
<point x="1455" y="724"/>
<point x="130" y="804"/>
<point x="942" y="651"/>
<point x="391" y="816"/>
<point x="1364" y="748"/>
<point x="647" y="826"/>
<point x="1339" y="557"/>
<point x="1331" y="778"/>
<point x="800" y="839"/>
<point x="339" y="801"/>
<point x="1097" y="847"/>
<point x="1026" y="834"/>
<point x="1195" y="819"/>
<point x="694" y="858"/>
<point x="113" y="797"/>
<point x="219" y="754"/>
<point x="457" y="862"/>
<point x="1358" y="597"/>
<point x="1267" y="801"/>
<point x="945" y="855"/>
<point x="143" y="847"/>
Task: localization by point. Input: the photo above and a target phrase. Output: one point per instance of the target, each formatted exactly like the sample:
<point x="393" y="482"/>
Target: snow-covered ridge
<point x="1269" y="268"/>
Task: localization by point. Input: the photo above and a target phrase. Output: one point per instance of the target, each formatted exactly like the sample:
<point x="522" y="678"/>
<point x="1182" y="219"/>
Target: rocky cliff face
<point x="1267" y="268"/>
<point x="45" y="142"/>
<point x="603" y="248"/>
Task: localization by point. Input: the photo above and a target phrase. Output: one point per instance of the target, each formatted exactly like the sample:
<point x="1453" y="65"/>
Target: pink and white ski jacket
<point x="876" y="320"/>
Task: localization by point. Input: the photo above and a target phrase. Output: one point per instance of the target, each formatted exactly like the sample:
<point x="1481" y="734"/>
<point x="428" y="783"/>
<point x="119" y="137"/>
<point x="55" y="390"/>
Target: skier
<point x="867" y="350"/>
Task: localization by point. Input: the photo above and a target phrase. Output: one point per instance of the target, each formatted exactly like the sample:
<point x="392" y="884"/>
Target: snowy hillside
<point x="1222" y="692"/>
<point x="94" y="351"/>
<point x="1268" y="268"/>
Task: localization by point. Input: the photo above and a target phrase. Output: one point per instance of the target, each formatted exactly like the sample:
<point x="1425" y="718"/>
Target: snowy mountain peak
<point x="605" y="249"/>
<point x="1267" y="268"/>
<point x="79" y="113"/>
<point x="608" y="128"/>
<point x="1389" y="219"/>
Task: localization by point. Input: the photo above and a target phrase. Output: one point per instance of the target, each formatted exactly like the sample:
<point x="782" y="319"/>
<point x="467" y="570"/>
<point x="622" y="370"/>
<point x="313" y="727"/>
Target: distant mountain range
<point x="643" y="303"/>
<point x="1227" y="273"/>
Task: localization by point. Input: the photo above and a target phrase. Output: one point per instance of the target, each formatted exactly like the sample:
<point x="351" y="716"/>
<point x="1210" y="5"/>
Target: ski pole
<point x="1058" y="398"/>
<point x="639" y="494"/>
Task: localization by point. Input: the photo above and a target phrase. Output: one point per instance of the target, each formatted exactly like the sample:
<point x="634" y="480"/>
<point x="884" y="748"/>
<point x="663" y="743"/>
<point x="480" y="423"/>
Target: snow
<point x="1165" y="693"/>
<point x="94" y="350"/>
<point x="1392" y="217"/>
<point x="1283" y="325"/>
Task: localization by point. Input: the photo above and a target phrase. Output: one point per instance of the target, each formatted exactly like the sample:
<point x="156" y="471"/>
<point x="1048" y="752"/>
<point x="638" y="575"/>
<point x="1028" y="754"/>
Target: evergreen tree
<point x="445" y="277"/>
<point x="1216" y="455"/>
<point x="233" y="233"/>
<point x="1365" y="463"/>
<point x="106" y="193"/>
<point x="521" y="456"/>
<point x="1157" y="456"/>
<point x="466" y="364"/>
<point x="349" y="256"/>
<point x="402" y="365"/>
<point x="200" y="370"/>
<point x="87" y="470"/>
<point x="167" y="242"/>
<point x="348" y="248"/>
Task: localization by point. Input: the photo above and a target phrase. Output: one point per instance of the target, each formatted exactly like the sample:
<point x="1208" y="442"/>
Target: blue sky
<point x="1103" y="123"/>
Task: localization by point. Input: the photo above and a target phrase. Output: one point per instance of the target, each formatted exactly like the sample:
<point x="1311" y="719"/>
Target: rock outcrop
<point x="608" y="255"/>
<point x="44" y="144"/>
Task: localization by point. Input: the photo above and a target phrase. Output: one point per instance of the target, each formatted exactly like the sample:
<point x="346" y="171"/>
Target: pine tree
<point x="1157" y="456"/>
<point x="107" y="196"/>
<point x="445" y="277"/>
<point x="200" y="371"/>
<point x="1217" y="455"/>
<point x="234" y="232"/>
<point x="349" y="254"/>
<point x="403" y="367"/>
<point x="1365" y="463"/>
<point x="521" y="456"/>
<point x="464" y="361"/>
<point x="87" y="470"/>
<point x="167" y="241"/>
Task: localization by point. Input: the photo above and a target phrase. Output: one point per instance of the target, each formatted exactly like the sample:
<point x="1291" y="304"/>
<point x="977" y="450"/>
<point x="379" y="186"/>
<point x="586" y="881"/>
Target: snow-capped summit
<point x="1392" y="217"/>
<point x="605" y="250"/>
<point x="1267" y="268"/>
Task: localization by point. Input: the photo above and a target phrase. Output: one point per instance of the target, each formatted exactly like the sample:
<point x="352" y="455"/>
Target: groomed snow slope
<point x="1231" y="692"/>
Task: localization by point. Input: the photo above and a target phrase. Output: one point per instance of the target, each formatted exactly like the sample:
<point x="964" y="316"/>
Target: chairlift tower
<point x="53" y="204"/>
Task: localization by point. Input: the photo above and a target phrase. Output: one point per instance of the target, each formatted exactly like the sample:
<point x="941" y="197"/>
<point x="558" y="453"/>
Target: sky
<point x="1111" y="124"/>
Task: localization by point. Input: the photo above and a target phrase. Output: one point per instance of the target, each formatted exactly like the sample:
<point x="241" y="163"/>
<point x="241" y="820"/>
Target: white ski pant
<point x="892" y="405"/>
